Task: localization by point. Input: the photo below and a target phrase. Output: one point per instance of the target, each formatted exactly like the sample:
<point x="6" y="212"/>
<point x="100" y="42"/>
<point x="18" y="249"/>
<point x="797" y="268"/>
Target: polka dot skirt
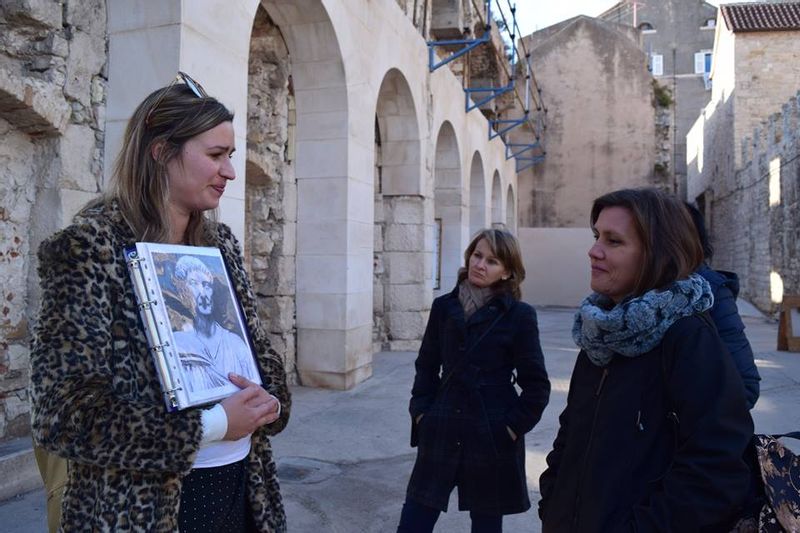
<point x="214" y="500"/>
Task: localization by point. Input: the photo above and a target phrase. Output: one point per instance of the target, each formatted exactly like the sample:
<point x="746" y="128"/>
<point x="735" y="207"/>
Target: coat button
<point x="458" y="443"/>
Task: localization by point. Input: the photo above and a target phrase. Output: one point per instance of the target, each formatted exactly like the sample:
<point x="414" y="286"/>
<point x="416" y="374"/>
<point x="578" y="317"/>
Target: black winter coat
<point x="462" y="439"/>
<point x="618" y="463"/>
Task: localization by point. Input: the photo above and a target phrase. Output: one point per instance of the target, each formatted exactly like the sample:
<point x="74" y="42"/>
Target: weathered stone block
<point x="18" y="357"/>
<point x="281" y="311"/>
<point x="286" y="282"/>
<point x="407" y="210"/>
<point x="410" y="297"/>
<point x="78" y="149"/>
<point x="406" y="325"/>
<point x="405" y="267"/>
<point x="88" y="16"/>
<point x="71" y="202"/>
<point x="86" y="59"/>
<point x="289" y="238"/>
<point x="405" y="237"/>
<point x="404" y="346"/>
<point x="42" y="13"/>
<point x="32" y="106"/>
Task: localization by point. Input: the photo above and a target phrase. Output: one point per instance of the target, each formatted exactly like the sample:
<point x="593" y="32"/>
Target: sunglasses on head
<point x="193" y="85"/>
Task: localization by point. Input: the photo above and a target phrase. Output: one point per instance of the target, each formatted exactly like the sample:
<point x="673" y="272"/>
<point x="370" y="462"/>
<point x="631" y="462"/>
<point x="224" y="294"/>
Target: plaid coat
<point x="463" y="438"/>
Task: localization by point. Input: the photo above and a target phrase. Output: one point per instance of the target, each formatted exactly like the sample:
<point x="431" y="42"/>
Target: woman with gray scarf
<point x="468" y="420"/>
<point x="656" y="423"/>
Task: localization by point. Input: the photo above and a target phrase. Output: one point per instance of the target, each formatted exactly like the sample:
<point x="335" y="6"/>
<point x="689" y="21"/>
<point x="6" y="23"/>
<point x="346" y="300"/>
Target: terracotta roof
<point x="762" y="16"/>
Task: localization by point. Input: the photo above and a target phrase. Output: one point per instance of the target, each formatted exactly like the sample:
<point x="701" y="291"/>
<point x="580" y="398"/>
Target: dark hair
<point x="671" y="247"/>
<point x="168" y="117"/>
<point x="506" y="248"/>
<point x="700" y="226"/>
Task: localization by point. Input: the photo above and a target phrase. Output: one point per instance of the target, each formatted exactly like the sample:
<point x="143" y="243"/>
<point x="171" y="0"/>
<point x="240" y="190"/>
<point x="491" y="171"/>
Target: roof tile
<point x="762" y="16"/>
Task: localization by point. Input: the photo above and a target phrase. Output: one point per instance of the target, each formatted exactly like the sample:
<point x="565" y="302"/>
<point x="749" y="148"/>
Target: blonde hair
<point x="506" y="248"/>
<point x="168" y="118"/>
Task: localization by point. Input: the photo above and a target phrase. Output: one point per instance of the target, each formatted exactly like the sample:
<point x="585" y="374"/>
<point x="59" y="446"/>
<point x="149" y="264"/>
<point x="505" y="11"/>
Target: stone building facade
<point x="756" y="70"/>
<point x="360" y="175"/>
<point x="677" y="36"/>
<point x="756" y="212"/>
<point x="596" y="140"/>
<point x="609" y="126"/>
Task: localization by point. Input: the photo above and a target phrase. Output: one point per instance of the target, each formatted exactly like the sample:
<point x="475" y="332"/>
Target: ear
<point x="155" y="150"/>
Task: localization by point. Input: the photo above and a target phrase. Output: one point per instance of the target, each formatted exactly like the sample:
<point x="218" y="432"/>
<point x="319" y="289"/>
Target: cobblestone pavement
<point x="344" y="459"/>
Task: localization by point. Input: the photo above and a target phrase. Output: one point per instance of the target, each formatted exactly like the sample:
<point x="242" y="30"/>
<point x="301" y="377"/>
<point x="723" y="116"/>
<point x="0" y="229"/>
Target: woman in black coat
<point x="468" y="421"/>
<point x="656" y="422"/>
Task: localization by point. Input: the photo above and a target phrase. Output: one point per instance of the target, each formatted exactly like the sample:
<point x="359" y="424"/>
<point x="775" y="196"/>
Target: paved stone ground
<point x="344" y="460"/>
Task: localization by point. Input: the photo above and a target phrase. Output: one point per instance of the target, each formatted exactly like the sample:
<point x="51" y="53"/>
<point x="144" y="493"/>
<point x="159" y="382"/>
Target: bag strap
<point x="791" y="435"/>
<point x="461" y="362"/>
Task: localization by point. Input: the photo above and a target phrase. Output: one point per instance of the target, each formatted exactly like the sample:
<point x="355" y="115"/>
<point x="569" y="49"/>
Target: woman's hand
<point x="248" y="409"/>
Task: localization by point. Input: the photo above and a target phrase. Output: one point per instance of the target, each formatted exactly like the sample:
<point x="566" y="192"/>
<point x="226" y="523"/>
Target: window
<point x="702" y="65"/>
<point x="657" y="64"/>
<point x="709" y="24"/>
<point x="646" y="27"/>
<point x="702" y="62"/>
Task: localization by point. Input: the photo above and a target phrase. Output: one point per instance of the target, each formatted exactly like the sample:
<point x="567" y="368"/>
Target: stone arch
<point x="511" y="209"/>
<point x="333" y="342"/>
<point x="497" y="200"/>
<point x="403" y="241"/>
<point x="449" y="209"/>
<point x="397" y="122"/>
<point x="477" y="195"/>
<point x="270" y="186"/>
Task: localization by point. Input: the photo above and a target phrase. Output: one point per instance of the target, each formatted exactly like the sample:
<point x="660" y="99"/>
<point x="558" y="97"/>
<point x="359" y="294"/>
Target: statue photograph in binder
<point x="209" y="345"/>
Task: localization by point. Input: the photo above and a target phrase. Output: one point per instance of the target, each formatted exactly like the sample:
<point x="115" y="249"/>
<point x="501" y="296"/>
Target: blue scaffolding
<point x="465" y="44"/>
<point x="526" y="154"/>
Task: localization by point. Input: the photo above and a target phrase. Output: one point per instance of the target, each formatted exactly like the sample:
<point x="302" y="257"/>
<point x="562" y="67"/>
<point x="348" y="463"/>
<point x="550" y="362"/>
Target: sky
<point x="534" y="15"/>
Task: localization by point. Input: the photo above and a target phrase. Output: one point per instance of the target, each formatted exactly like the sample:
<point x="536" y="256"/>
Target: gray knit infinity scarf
<point x="636" y="325"/>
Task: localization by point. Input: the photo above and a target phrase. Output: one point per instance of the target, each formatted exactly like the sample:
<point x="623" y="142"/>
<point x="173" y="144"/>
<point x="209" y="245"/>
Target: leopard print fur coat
<point x="95" y="394"/>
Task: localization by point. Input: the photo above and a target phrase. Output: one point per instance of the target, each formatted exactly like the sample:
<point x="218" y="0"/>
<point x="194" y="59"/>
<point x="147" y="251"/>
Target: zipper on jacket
<point x="602" y="382"/>
<point x="597" y="394"/>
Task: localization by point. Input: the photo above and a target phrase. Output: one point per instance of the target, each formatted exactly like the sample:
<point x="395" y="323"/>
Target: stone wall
<point x="767" y="67"/>
<point x="755" y="212"/>
<point x="271" y="216"/>
<point x="596" y="141"/>
<point x="52" y="105"/>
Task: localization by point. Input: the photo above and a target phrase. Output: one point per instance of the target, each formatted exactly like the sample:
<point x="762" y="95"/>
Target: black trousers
<point x="215" y="500"/>
<point x="418" y="518"/>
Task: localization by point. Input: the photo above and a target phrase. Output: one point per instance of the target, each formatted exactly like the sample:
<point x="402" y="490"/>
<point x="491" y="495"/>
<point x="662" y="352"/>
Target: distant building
<point x="741" y="148"/>
<point x="601" y="135"/>
<point x="678" y="36"/>
<point x="756" y="70"/>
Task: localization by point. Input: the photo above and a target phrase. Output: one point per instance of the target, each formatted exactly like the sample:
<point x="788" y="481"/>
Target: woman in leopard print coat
<point x="96" y="398"/>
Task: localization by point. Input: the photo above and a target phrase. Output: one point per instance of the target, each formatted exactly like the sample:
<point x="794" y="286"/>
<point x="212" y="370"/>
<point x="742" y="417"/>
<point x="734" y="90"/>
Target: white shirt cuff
<point x="215" y="424"/>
